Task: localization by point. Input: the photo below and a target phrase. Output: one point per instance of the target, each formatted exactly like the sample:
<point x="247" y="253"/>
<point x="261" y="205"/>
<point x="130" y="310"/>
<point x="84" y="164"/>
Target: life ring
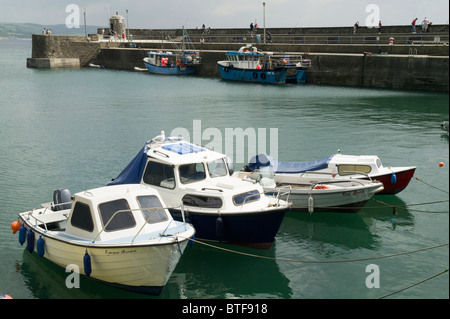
<point x="255" y="75"/>
<point x="178" y="62"/>
<point x="321" y="187"/>
<point x="263" y="75"/>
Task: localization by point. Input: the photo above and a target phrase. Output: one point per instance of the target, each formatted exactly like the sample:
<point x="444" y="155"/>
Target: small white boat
<point x="121" y="235"/>
<point x="220" y="207"/>
<point x="338" y="167"/>
<point x="317" y="194"/>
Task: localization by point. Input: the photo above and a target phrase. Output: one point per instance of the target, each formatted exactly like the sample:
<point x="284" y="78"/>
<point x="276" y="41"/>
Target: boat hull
<point x="403" y="178"/>
<point x="253" y="75"/>
<point x="346" y="200"/>
<point x="177" y="70"/>
<point x="139" y="268"/>
<point x="253" y="229"/>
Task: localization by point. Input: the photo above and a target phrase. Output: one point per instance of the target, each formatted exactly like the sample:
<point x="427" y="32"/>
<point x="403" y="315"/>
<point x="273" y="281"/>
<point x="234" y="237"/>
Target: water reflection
<point x="205" y="272"/>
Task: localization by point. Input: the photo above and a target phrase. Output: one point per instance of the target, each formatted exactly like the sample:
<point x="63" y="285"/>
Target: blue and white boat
<point x="220" y="207"/>
<point x="172" y="63"/>
<point x="180" y="61"/>
<point x="250" y="65"/>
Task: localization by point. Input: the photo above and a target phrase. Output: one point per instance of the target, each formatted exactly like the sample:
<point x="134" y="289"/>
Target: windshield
<point x="191" y="173"/>
<point x="217" y="168"/>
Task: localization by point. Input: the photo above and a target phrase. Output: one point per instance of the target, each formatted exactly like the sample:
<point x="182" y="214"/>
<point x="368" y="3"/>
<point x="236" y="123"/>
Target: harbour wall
<point x="413" y="62"/>
<point x="406" y="72"/>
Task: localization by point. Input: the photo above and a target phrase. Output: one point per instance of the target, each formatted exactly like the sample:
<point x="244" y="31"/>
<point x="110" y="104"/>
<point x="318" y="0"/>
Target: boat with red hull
<point x="338" y="166"/>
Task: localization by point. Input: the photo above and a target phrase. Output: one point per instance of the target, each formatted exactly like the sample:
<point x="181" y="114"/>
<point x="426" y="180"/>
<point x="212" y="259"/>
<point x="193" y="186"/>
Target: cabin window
<point x="246" y="197"/>
<point x="348" y="169"/>
<point x="116" y="215"/>
<point x="217" y="168"/>
<point x="202" y="201"/>
<point x="158" y="174"/>
<point x="82" y="217"/>
<point x="378" y="163"/>
<point x="155" y="212"/>
<point x="191" y="173"/>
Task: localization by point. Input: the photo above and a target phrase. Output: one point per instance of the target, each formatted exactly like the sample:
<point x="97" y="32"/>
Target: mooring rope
<point x="405" y="206"/>
<point x="417" y="283"/>
<point x="432" y="186"/>
<point x="312" y="261"/>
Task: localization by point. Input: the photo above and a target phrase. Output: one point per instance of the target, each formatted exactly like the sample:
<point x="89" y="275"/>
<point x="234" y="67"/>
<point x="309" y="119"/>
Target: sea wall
<point x="412" y="62"/>
<point x="406" y="72"/>
<point x="60" y="51"/>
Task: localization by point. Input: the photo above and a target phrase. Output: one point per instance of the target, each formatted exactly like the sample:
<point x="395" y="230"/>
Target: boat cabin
<point x="171" y="59"/>
<point x="193" y="175"/>
<point x="107" y="213"/>
<point x="248" y="57"/>
<point x="349" y="164"/>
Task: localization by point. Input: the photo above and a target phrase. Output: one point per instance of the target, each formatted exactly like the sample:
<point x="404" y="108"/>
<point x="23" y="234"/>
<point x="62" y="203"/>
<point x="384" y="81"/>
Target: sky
<point x="156" y="14"/>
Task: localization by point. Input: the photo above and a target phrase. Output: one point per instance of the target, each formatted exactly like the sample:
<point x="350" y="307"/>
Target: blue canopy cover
<point x="263" y="160"/>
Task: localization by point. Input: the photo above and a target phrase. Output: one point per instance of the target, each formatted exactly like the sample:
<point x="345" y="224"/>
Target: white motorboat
<point x="220" y="207"/>
<point x="317" y="194"/>
<point x="337" y="167"/>
<point x="121" y="235"/>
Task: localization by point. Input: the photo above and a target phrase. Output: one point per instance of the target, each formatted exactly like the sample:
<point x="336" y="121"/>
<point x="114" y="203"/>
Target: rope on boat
<point x="314" y="261"/>
<point x="417" y="283"/>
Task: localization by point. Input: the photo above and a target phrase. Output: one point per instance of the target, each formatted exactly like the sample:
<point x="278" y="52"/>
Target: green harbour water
<point x="78" y="128"/>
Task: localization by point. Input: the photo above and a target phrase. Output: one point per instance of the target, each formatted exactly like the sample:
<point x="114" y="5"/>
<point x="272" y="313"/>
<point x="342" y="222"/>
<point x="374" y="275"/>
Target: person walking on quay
<point x="413" y="24"/>
<point x="355" y="27"/>
<point x="379" y="27"/>
<point x="425" y="24"/>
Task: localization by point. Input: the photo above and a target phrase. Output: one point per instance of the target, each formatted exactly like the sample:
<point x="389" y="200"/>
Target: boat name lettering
<point x="119" y="252"/>
<point x="357" y="192"/>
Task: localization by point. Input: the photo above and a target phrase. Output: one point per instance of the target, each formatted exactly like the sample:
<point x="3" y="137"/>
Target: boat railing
<point x="143" y="225"/>
<point x="339" y="173"/>
<point x="278" y="197"/>
<point x="354" y="173"/>
<point x="313" y="184"/>
<point x="287" y="194"/>
<point x="43" y="219"/>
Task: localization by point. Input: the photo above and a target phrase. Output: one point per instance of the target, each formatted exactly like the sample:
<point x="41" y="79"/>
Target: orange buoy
<point x="15" y="226"/>
<point x="441" y="164"/>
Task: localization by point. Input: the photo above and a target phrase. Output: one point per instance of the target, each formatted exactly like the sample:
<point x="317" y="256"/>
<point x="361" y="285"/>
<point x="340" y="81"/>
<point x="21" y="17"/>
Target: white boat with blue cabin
<point x="122" y="235"/>
<point x="221" y="207"/>
<point x="250" y="65"/>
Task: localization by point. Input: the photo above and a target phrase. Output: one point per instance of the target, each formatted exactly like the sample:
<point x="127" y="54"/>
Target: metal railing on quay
<point x="355" y="39"/>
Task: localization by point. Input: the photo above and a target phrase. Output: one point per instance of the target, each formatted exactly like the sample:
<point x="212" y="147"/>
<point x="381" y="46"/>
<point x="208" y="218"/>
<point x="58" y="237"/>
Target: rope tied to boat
<point x="432" y="186"/>
<point x="313" y="261"/>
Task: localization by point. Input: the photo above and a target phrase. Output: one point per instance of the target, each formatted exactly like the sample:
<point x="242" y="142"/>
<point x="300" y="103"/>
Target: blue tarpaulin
<point x="263" y="160"/>
<point x="132" y="174"/>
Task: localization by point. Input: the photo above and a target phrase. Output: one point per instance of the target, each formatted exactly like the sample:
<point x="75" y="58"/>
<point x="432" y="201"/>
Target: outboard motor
<point x="61" y="196"/>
